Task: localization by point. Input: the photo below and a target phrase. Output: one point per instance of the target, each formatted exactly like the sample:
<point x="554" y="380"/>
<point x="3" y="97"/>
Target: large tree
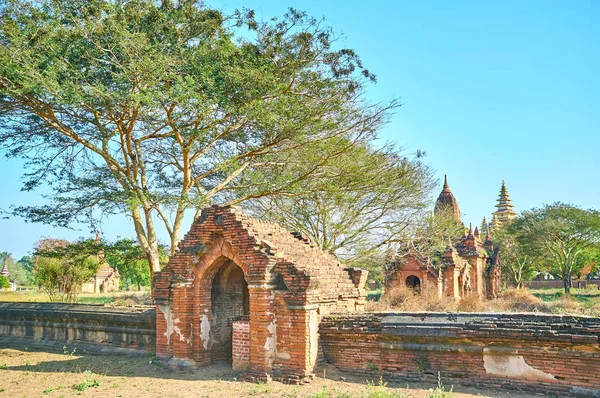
<point x="565" y="234"/>
<point x="367" y="198"/>
<point x="153" y="108"/>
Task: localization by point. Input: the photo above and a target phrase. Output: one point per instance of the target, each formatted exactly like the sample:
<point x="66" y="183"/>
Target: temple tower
<point x="446" y="202"/>
<point x="505" y="210"/>
<point x="4" y="271"/>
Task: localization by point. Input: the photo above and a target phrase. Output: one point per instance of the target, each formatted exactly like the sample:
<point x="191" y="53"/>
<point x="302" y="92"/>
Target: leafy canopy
<point x="151" y="108"/>
<point x="561" y="235"/>
<point x="61" y="269"/>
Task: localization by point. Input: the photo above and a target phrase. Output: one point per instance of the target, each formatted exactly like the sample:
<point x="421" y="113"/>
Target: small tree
<point x="62" y="270"/>
<point x="4" y="282"/>
<point x="517" y="259"/>
<point x="565" y="233"/>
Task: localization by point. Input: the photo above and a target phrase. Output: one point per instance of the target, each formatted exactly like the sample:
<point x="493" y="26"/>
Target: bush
<point x="4" y="282"/>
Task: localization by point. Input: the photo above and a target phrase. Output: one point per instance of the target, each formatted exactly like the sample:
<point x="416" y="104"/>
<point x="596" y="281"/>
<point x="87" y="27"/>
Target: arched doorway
<point x="414" y="283"/>
<point x="229" y="302"/>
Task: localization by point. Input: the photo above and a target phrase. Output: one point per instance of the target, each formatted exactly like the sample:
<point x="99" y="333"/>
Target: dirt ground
<point x="42" y="374"/>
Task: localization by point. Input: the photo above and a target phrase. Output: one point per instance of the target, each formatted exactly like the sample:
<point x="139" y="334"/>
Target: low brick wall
<point x="558" y="284"/>
<point x="88" y="328"/>
<point x="557" y="355"/>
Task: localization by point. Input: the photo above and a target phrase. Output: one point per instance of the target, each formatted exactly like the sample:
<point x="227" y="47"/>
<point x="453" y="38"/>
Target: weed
<point x="439" y="391"/>
<point x="291" y="394"/>
<point x="2" y="390"/>
<point x="260" y="388"/>
<point x="87" y="382"/>
<point x="67" y="352"/>
<point x="371" y="366"/>
<point x="421" y="365"/>
<point x="49" y="390"/>
<point x="3" y="366"/>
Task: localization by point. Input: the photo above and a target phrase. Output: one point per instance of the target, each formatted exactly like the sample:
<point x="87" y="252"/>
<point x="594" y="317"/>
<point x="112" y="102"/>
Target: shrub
<point x="4" y="282"/>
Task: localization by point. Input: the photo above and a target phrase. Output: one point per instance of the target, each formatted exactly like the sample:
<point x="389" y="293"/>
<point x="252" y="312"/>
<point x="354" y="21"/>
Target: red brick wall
<point x="555" y="354"/>
<point x="230" y="265"/>
<point x="241" y="345"/>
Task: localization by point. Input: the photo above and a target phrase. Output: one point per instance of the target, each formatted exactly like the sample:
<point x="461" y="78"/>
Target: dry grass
<point x="403" y="298"/>
<point x="520" y="300"/>
<point x="120" y="299"/>
<point x="41" y="374"/>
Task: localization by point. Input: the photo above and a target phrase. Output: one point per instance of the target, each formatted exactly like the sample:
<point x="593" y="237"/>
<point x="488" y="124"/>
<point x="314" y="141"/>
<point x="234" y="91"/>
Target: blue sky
<point x="491" y="90"/>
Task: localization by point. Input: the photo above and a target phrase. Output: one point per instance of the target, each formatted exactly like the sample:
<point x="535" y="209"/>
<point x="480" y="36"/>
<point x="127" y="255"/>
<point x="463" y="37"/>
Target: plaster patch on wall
<point x="511" y="364"/>
<point x="171" y="324"/>
<point x="205" y="331"/>
<point x="271" y="343"/>
<point x="313" y="325"/>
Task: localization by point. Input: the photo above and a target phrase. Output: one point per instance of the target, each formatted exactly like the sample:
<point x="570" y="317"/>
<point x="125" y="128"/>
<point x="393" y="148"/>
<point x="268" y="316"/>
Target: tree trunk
<point x="567" y="283"/>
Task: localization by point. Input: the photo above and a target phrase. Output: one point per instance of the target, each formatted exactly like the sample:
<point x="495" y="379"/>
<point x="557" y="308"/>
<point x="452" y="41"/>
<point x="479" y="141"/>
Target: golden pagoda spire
<point x="505" y="210"/>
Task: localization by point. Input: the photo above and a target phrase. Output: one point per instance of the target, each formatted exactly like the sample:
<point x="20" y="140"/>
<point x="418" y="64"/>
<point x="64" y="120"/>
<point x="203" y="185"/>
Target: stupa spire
<point x="446" y="202"/>
<point x="4" y="271"/>
<point x="505" y="210"/>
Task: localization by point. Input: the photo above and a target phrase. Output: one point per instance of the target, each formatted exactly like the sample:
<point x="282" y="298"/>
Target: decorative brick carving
<point x="230" y="267"/>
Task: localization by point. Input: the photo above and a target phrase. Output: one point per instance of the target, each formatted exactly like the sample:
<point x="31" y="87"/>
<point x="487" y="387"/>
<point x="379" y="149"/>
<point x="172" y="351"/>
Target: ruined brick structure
<point x="557" y="355"/>
<point x="470" y="266"/>
<point x="252" y="293"/>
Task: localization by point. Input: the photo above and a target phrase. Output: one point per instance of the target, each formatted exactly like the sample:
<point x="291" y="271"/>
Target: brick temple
<point x="252" y="294"/>
<point x="469" y="266"/>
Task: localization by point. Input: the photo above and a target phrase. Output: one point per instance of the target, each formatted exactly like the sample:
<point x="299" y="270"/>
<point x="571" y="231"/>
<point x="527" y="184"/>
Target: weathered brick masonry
<point x="229" y="268"/>
<point x="91" y="328"/>
<point x="558" y="355"/>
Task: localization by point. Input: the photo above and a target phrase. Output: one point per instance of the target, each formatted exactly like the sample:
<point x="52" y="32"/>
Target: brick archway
<point x="290" y="284"/>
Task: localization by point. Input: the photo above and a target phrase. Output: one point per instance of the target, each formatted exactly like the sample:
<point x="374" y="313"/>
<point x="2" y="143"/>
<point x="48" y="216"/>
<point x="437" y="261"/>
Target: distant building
<point x="105" y="280"/>
<point x="470" y="266"/>
<point x="446" y="202"/>
<point x="5" y="273"/>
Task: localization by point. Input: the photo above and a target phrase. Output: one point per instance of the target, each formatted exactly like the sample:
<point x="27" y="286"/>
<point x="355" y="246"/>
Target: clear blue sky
<point x="491" y="90"/>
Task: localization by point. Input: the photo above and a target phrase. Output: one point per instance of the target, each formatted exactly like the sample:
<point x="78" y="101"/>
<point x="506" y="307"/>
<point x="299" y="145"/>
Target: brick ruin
<point x="557" y="355"/>
<point x="469" y="266"/>
<point x="251" y="293"/>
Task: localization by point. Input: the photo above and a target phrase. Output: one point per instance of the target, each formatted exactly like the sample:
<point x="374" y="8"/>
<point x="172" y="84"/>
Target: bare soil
<point x="42" y="374"/>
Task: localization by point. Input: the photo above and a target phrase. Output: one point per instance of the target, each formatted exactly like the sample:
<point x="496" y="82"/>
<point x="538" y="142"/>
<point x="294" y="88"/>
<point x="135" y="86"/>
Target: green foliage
<point x="440" y="391"/>
<point x="366" y="198"/>
<point x="17" y="271"/>
<point x="87" y="382"/>
<point x="61" y="270"/>
<point x="147" y="108"/>
<point x="27" y="263"/>
<point x="128" y="257"/>
<point x="4" y="282"/>
<point x="563" y="237"/>
<point x="517" y="257"/>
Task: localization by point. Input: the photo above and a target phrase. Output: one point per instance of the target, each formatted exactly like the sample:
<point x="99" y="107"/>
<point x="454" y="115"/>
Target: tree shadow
<point x="121" y="365"/>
